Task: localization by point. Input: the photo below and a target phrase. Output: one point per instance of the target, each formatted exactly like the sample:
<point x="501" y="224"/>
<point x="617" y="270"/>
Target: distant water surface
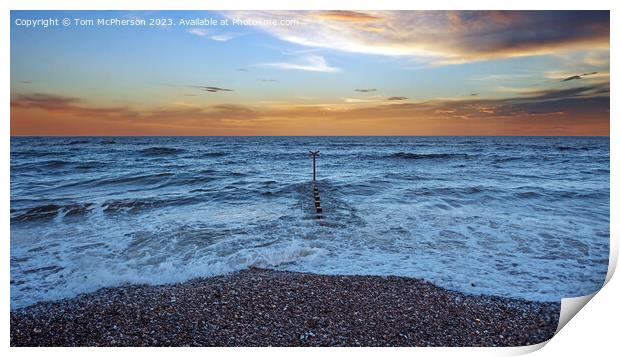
<point x="523" y="217"/>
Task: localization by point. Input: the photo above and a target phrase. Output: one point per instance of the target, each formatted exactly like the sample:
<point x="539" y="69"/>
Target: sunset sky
<point x="316" y="73"/>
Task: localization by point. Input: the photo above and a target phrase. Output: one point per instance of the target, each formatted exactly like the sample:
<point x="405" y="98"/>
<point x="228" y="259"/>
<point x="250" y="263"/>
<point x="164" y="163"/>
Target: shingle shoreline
<point x="257" y="307"/>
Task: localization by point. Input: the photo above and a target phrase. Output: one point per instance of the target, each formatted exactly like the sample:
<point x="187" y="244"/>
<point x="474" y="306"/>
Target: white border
<point x="590" y="331"/>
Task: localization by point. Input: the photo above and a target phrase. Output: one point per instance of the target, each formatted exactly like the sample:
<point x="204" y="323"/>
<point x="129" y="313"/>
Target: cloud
<point x="312" y="63"/>
<point x="212" y="89"/>
<point x="347" y="16"/>
<point x="441" y="36"/>
<point x="397" y="98"/>
<point x="539" y="101"/>
<point x="555" y="76"/>
<point x="68" y="105"/>
<point x="198" y="31"/>
<point x="515" y="90"/>
<point x="586" y="99"/>
<point x="229" y="111"/>
<point x="581" y="110"/>
<point x="595" y="90"/>
<point x="45" y="101"/>
<point x="365" y="90"/>
<point x="224" y="37"/>
<point x="504" y="77"/>
<point x="363" y="100"/>
<point x="579" y="76"/>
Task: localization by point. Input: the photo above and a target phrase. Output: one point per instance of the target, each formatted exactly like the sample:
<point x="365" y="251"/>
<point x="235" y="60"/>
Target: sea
<point x="520" y="217"/>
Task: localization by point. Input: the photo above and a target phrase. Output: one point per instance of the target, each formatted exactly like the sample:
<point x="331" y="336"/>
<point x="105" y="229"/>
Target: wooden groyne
<point x="315" y="189"/>
<point x="317" y="201"/>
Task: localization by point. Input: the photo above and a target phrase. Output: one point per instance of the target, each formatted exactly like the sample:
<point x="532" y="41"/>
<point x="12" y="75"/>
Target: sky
<point x="310" y="73"/>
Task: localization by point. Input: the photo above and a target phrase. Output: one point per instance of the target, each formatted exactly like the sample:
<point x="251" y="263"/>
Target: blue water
<point x="513" y="216"/>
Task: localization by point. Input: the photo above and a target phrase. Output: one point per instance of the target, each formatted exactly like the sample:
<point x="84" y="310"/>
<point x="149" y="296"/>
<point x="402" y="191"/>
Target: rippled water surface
<point x="519" y="217"/>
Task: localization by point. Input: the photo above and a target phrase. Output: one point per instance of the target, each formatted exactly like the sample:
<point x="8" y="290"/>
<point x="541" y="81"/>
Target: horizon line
<point x="300" y="136"/>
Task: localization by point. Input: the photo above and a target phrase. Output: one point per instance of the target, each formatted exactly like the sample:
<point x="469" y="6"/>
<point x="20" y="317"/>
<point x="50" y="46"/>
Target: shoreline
<point x="260" y="307"/>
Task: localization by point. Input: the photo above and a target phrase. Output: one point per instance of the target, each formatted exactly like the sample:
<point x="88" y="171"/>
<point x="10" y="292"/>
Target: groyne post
<point x="314" y="154"/>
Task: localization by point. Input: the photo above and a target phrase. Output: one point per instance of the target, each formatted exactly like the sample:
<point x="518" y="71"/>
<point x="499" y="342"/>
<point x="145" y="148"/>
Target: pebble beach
<point x="257" y="307"/>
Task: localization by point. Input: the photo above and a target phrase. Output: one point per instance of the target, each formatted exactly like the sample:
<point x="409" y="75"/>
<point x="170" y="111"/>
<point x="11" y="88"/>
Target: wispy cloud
<point x="212" y="89"/>
<point x="365" y="90"/>
<point x="312" y="63"/>
<point x="67" y="105"/>
<point x="224" y="37"/>
<point x="441" y="36"/>
<point x="198" y="31"/>
<point x="347" y="16"/>
<point x="517" y="90"/>
<point x="578" y="76"/>
<point x="220" y="37"/>
<point x="502" y="77"/>
<point x="373" y="99"/>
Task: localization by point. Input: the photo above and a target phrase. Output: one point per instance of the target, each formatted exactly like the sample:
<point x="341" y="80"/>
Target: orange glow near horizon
<point x="36" y="122"/>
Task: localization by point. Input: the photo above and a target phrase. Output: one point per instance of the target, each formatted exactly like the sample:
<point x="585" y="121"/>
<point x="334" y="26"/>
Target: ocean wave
<point x="451" y="192"/>
<point x="161" y="151"/>
<point x="413" y="156"/>
<point x="528" y="194"/>
<point x="272" y="258"/>
<point x="571" y="148"/>
<point x="142" y="179"/>
<point x="78" y="142"/>
<point x="212" y="154"/>
<point x="35" y="153"/>
<point x="129" y="205"/>
<point x="47" y="270"/>
<point x="54" y="163"/>
<point x="87" y="165"/>
<point x="57" y="164"/>
<point x="50" y="211"/>
<point x="535" y="193"/>
<point x="45" y="211"/>
<point x="147" y="179"/>
<point x="139" y="204"/>
<point x="147" y="269"/>
<point x="502" y="160"/>
<point x="49" y="164"/>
